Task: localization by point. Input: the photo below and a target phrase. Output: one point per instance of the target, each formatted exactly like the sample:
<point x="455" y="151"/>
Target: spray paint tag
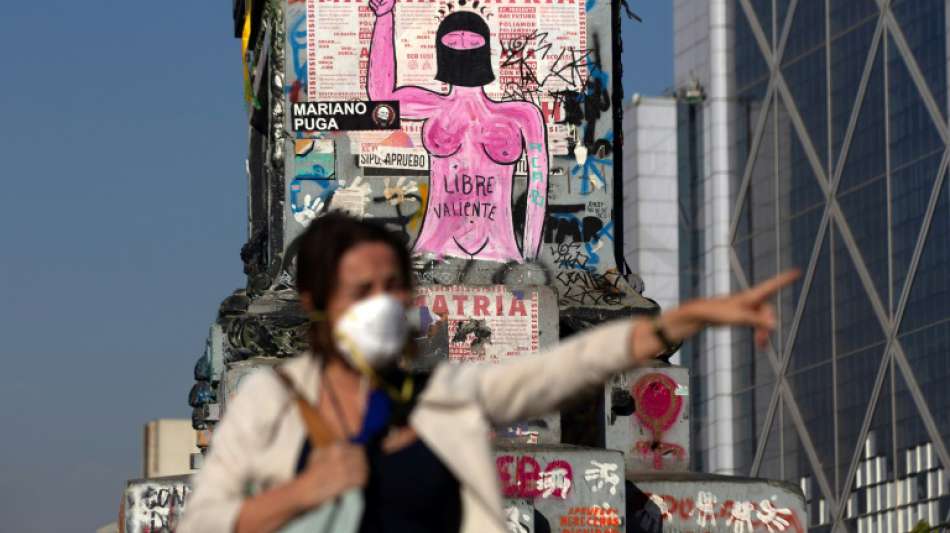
<point x="681" y="390"/>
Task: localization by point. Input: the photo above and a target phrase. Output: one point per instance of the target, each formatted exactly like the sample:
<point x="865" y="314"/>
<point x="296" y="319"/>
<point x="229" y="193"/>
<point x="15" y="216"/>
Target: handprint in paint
<point x="310" y="209"/>
<point x="396" y="193"/>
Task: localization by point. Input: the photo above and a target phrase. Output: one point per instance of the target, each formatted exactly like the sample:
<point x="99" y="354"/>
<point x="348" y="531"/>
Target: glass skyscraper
<point x="814" y="134"/>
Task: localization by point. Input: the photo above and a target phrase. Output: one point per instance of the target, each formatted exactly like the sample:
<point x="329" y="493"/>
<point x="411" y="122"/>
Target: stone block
<point x="647" y="418"/>
<point x="570" y="489"/>
<point x="156" y="504"/>
<point x="488" y="325"/>
<point x="714" y="504"/>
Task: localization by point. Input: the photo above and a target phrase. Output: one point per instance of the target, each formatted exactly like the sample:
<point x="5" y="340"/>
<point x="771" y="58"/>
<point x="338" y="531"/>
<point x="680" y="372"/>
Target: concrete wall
<point x="651" y="210"/>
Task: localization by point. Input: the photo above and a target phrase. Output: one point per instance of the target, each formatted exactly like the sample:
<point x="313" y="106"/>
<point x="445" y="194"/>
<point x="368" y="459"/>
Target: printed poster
<point x="538" y="50"/>
<point x="484" y="324"/>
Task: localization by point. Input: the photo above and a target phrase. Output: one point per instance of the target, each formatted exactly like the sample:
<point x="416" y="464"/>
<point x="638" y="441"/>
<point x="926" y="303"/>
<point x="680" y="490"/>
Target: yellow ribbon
<point x="245" y="42"/>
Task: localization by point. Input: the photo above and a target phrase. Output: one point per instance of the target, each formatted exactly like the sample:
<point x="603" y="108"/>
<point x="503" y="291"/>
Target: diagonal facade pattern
<point x="841" y="152"/>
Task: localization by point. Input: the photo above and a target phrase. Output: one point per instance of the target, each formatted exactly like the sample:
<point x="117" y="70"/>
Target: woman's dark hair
<point x="320" y="249"/>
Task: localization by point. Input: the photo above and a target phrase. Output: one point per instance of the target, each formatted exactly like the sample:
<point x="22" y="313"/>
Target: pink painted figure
<point x="474" y="142"/>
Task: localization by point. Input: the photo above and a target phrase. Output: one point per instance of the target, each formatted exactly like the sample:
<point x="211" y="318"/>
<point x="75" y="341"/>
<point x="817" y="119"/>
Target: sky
<point x="122" y="215"/>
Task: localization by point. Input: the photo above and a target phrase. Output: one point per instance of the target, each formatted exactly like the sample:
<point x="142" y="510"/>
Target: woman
<point x="473" y="142"/>
<point x="429" y="467"/>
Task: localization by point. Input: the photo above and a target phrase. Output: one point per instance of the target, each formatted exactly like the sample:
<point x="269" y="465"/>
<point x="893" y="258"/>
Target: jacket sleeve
<point x="220" y="487"/>
<point x="536" y="385"/>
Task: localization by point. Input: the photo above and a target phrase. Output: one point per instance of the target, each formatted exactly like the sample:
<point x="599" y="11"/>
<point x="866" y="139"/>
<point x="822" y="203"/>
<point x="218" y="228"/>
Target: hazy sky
<point x="121" y="217"/>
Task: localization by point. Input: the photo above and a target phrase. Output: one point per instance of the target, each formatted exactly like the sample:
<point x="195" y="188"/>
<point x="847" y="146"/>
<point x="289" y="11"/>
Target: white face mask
<point x="372" y="332"/>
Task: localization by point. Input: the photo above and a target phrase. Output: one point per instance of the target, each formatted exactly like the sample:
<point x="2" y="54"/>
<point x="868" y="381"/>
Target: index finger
<point x="772" y="285"/>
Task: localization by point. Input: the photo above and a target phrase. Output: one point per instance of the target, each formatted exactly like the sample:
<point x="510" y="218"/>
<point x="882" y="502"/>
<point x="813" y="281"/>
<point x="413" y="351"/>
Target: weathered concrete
<point x="154" y="505"/>
<point x="688" y="502"/>
<point x="568" y="489"/>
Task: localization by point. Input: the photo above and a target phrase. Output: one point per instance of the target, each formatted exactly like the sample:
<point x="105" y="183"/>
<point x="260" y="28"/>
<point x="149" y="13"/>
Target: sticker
<point x="395" y="158"/>
<point x="344" y="116"/>
<point x="681" y="390"/>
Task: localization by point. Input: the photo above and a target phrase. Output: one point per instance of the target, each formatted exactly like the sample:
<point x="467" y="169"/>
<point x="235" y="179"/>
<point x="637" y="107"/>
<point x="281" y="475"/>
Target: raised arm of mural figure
<point x="536" y="151"/>
<point x="532" y="386"/>
<point x="415" y="103"/>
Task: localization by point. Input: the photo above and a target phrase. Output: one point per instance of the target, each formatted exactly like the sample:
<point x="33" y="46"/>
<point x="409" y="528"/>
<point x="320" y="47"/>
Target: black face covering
<point x="466" y="68"/>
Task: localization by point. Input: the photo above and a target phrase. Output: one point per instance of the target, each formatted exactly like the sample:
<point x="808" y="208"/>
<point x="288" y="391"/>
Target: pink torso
<point x="474" y="146"/>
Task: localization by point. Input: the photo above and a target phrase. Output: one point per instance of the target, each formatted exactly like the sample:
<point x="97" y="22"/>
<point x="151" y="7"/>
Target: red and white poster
<point x="538" y="50"/>
<point x="484" y="324"/>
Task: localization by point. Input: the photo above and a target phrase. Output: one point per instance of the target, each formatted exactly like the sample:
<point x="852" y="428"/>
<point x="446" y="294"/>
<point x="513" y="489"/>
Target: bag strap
<point x="320" y="434"/>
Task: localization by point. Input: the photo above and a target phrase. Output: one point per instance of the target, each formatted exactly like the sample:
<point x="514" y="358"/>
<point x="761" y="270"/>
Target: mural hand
<point x="381" y="7"/>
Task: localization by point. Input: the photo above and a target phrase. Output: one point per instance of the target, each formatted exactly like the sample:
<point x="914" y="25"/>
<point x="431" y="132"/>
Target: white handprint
<point x="311" y="208"/>
<point x="352" y="198"/>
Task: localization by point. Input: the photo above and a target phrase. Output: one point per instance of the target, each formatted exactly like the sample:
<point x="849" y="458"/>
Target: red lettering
<point x="481" y="305"/>
<point x="460" y="303"/>
<point x="528" y="471"/>
<point x="509" y="488"/>
<point x="439" y="306"/>
<point x="686" y="508"/>
<point x="517" y="306"/>
<point x="551" y="115"/>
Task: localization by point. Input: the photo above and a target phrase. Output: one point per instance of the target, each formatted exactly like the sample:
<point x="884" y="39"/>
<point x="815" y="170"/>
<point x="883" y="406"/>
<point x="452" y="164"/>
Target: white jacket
<point x="257" y="443"/>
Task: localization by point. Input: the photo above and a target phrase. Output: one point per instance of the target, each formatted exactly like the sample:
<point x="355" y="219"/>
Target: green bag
<point x="342" y="515"/>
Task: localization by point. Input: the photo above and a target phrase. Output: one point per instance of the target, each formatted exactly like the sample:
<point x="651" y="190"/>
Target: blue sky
<point x="121" y="217"/>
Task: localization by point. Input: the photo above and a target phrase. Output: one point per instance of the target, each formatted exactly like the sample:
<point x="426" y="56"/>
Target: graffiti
<point x="523" y="477"/>
<point x="569" y="256"/>
<point x="587" y="287"/>
<point x="520" y="55"/>
<point x="582" y="519"/>
<point x="705" y="509"/>
<point x="602" y="474"/>
<point x="740" y="516"/>
<point x="155" y="506"/>
<point x="473" y="142"/>
<point x="658" y="407"/>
